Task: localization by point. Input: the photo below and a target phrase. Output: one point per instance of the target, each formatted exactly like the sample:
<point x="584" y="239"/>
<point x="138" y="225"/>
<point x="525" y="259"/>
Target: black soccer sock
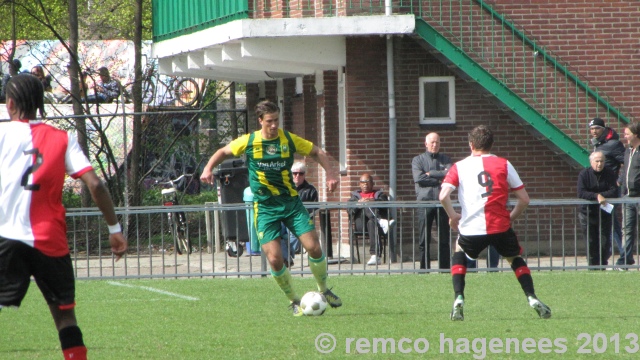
<point x="72" y="344"/>
<point x="523" y="274"/>
<point x="458" y="272"/>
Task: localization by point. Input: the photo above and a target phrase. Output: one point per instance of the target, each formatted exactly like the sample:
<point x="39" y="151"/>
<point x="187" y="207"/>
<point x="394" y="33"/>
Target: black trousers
<point x="596" y="230"/>
<point x="426" y="216"/>
<point x="373" y="232"/>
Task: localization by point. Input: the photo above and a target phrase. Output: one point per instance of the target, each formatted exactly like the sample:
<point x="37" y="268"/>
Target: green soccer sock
<point x="283" y="278"/>
<point x="319" y="270"/>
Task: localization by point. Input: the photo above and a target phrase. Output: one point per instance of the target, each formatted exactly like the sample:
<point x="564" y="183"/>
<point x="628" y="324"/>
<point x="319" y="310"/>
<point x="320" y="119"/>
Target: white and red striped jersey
<point x="483" y="184"/>
<point x="34" y="158"/>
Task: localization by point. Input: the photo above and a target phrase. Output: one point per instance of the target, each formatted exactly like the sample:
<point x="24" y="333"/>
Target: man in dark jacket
<point x="429" y="168"/>
<point x="375" y="219"/>
<point x="607" y="141"/>
<point x="630" y="185"/>
<point x="597" y="183"/>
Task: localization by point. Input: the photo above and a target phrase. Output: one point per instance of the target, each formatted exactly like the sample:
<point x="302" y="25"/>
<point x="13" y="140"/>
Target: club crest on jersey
<point x="271" y="149"/>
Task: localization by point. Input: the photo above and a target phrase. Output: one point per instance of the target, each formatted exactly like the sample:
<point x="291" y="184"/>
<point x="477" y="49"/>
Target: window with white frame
<point x="437" y="100"/>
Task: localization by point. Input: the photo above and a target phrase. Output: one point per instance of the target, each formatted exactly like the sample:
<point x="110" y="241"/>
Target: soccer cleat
<point x="374" y="260"/>
<point x="543" y="310"/>
<point x="333" y="299"/>
<point x="295" y="307"/>
<point x="457" y="313"/>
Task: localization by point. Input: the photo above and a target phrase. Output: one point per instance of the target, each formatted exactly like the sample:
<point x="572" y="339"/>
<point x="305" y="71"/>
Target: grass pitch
<point x="595" y="315"/>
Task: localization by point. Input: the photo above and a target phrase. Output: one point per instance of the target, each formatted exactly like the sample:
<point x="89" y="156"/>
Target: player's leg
<point x="303" y="226"/>
<point x="467" y="247"/>
<point x="269" y="226"/>
<point x="507" y="245"/>
<point x="54" y="276"/>
<point x="458" y="274"/>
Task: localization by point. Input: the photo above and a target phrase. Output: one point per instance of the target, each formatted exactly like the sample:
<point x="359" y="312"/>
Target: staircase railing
<point x="528" y="68"/>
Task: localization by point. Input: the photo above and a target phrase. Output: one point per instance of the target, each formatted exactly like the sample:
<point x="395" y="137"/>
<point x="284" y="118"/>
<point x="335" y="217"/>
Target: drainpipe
<point x="392" y="129"/>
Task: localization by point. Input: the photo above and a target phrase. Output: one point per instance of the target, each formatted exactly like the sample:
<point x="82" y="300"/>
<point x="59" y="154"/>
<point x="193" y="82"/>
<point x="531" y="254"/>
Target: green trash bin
<point x="253" y="246"/>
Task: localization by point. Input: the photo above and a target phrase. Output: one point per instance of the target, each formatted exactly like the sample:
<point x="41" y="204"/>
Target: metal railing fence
<point x="549" y="233"/>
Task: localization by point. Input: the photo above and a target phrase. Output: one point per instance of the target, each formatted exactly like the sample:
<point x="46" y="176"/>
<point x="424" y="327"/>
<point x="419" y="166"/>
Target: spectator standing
<point x="599" y="183"/>
<point x="607" y="141"/>
<point x="269" y="153"/>
<point x="429" y="168"/>
<point x="307" y="193"/>
<point x="36" y="158"/>
<point x="107" y="90"/>
<point x="630" y="184"/>
<point x="374" y="219"/>
<point x="483" y="181"/>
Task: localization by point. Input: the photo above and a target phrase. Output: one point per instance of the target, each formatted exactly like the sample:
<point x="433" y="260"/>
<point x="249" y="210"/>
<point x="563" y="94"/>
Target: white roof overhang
<point x="265" y="49"/>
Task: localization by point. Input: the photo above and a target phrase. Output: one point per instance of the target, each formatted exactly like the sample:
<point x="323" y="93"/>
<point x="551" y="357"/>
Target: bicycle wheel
<point x="183" y="244"/>
<point x="187" y="91"/>
<point x="175" y="234"/>
<point x="148" y="91"/>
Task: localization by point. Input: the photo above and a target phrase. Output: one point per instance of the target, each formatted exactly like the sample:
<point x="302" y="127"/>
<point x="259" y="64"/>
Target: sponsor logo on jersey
<point x="271" y="149"/>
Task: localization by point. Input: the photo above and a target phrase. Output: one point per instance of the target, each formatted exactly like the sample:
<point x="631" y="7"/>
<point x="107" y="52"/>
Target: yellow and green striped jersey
<point x="269" y="162"/>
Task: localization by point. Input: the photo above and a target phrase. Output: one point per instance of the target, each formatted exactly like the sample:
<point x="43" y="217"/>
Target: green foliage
<point x="97" y="19"/>
<point x="70" y="199"/>
<point x="248" y="318"/>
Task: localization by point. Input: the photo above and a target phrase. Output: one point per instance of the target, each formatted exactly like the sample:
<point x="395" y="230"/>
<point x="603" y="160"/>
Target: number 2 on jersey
<point x="37" y="161"/>
<point x="484" y="179"/>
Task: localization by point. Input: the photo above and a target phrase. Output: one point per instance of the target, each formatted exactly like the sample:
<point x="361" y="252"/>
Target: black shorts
<point x="53" y="275"/>
<point x="506" y="243"/>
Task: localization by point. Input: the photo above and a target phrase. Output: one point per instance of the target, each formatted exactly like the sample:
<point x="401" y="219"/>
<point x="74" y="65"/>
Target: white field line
<point x="190" y="298"/>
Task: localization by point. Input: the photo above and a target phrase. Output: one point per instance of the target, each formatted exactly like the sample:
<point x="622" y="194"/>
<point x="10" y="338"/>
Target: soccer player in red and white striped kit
<point x="484" y="181"/>
<point x="34" y="159"/>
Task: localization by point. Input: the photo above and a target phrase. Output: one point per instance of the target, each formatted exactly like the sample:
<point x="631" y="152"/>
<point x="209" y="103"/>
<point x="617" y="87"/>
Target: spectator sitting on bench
<point x="106" y="90"/>
<point x="375" y="219"/>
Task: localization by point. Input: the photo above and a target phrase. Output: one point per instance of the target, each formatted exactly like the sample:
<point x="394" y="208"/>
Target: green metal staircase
<point x="521" y="77"/>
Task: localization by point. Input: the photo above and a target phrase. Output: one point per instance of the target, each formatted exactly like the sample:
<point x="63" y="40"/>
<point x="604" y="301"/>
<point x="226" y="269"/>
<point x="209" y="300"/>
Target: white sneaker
<point x="386" y="224"/>
<point x="543" y="310"/>
<point x="457" y="313"/>
<point x="374" y="260"/>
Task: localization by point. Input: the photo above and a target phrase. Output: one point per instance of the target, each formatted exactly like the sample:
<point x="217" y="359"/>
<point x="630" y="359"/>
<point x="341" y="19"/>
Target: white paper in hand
<point x="607" y="207"/>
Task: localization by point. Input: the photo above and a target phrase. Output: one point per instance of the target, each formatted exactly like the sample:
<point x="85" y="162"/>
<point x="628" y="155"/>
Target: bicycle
<point x="178" y="219"/>
<point x="184" y="90"/>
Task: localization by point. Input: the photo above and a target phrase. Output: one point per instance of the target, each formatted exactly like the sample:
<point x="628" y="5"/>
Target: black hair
<point x="266" y="107"/>
<point x="28" y="94"/>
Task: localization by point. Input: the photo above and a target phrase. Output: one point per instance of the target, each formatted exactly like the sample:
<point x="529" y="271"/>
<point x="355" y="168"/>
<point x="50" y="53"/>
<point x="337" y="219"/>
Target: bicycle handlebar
<point x="171" y="182"/>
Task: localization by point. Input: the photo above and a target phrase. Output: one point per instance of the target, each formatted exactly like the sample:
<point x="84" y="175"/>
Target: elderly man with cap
<point x="107" y="90"/>
<point x="607" y="141"/>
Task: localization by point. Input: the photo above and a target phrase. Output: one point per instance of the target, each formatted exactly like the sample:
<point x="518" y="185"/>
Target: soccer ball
<point x="313" y="303"/>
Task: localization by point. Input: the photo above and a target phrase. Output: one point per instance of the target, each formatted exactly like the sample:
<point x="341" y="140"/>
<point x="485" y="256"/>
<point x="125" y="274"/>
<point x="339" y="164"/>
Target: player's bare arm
<point x="101" y="197"/>
<point x="522" y="202"/>
<point x="216" y="159"/>
<point x="322" y="158"/>
<point x="447" y="204"/>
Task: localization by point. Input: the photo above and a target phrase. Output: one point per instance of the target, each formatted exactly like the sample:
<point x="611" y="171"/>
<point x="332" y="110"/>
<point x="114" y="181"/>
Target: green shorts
<point x="269" y="214"/>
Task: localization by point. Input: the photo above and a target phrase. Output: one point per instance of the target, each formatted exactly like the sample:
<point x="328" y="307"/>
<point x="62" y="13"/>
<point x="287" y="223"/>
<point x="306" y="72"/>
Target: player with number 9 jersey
<point x="484" y="182"/>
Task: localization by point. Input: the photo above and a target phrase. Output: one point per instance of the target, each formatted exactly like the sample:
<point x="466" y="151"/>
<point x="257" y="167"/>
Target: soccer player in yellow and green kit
<point x="269" y="153"/>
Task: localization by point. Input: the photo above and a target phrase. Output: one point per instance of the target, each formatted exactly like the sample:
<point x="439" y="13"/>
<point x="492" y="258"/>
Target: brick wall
<point x="599" y="39"/>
